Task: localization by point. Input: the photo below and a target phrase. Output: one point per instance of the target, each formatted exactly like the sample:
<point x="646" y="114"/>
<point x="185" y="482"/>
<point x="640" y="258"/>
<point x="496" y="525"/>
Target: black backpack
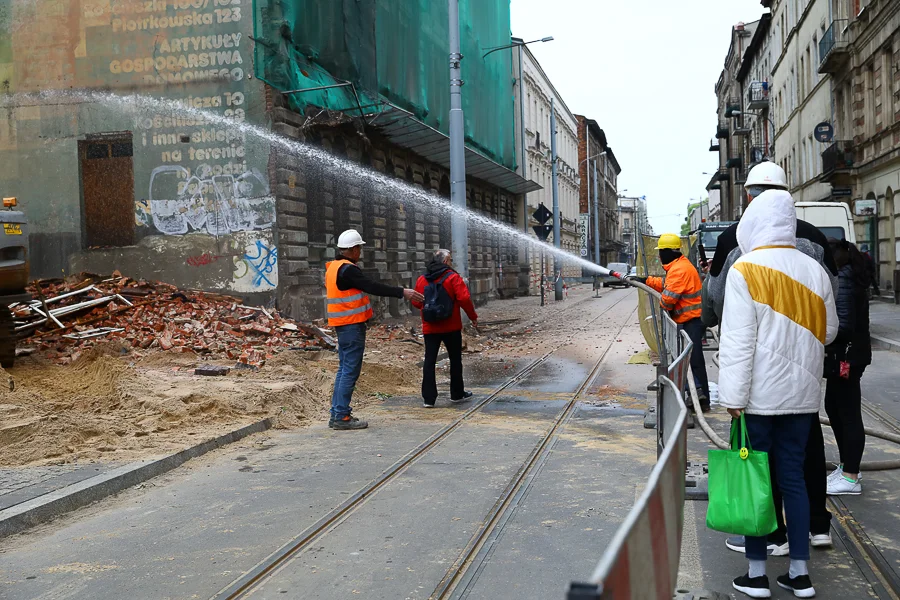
<point x="438" y="304"/>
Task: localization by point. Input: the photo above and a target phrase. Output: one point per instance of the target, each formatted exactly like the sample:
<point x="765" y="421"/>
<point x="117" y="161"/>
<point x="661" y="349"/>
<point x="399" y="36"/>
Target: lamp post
<point x="521" y="82"/>
<point x="554" y="158"/>
<point x="459" y="229"/>
<point x="596" y="201"/>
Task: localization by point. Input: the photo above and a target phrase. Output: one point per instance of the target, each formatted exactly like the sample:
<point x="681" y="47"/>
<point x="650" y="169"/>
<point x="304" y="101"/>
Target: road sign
<point x="543" y="231"/>
<point x="866" y="208"/>
<point x="841" y="191"/>
<point x="542" y="215"/>
<point x="824" y="132"/>
<point x="584" y="222"/>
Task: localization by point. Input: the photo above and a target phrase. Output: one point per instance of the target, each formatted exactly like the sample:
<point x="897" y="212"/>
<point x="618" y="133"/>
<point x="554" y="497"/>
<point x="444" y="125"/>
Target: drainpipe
<point x="587" y="169"/>
<point x="522" y="124"/>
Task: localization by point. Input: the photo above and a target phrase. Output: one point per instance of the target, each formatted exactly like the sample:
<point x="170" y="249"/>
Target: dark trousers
<point x="843" y="403"/>
<point x="453" y="342"/>
<point x="814" y="479"/>
<point x="784" y="437"/>
<point x="696" y="330"/>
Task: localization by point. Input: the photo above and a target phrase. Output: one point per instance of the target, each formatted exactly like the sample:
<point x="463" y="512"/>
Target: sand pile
<point x="107" y="406"/>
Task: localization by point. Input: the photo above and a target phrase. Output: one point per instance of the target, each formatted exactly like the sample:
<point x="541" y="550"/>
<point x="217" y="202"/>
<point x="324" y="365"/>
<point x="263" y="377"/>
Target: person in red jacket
<point x="447" y="331"/>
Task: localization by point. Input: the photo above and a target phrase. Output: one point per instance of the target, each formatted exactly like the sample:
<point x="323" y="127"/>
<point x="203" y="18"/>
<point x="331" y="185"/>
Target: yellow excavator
<point x="13" y="275"/>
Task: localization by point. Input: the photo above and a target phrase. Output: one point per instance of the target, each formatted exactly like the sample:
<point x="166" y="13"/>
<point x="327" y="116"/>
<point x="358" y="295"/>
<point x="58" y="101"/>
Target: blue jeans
<point x="784" y="438"/>
<point x="351" y="347"/>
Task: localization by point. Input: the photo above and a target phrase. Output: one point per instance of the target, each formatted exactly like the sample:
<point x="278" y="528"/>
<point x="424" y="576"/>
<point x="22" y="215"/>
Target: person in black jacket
<point x="845" y="361"/>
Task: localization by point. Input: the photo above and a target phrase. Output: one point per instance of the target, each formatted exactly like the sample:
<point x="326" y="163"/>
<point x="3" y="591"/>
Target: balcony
<point x="834" y="47"/>
<point x="734" y="163"/>
<point x="723" y="174"/>
<point x="741" y="129"/>
<point x="766" y="3"/>
<point x="758" y="95"/>
<point x="722" y="130"/>
<point x="714" y="145"/>
<point x="732" y="107"/>
<point x="837" y="158"/>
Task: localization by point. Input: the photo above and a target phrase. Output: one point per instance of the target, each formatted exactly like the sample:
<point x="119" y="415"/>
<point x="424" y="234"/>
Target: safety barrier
<point x="641" y="561"/>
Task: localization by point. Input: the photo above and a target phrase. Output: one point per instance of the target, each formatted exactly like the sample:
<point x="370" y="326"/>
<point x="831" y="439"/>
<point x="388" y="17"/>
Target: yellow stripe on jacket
<point x="785" y="296"/>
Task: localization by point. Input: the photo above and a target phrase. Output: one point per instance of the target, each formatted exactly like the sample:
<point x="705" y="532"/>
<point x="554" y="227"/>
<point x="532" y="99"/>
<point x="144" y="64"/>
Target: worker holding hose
<point x="680" y="290"/>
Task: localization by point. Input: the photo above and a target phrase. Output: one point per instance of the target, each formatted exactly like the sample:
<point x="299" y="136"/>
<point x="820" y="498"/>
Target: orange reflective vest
<point x="345" y="307"/>
<point x="681" y="290"/>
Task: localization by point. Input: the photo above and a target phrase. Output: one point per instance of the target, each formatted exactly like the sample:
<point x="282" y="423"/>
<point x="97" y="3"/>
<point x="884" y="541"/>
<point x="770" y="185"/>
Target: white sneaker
<point x="836" y="473"/>
<point x="820" y="540"/>
<point x="841" y="486"/>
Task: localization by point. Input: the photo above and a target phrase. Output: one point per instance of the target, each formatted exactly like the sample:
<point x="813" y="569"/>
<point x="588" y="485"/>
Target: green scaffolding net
<point x="393" y="52"/>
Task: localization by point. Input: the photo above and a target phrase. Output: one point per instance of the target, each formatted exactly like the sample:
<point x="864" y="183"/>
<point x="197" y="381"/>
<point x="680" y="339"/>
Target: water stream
<point x="141" y="105"/>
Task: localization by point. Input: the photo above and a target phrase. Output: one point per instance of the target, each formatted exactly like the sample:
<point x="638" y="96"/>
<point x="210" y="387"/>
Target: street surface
<point x="196" y="531"/>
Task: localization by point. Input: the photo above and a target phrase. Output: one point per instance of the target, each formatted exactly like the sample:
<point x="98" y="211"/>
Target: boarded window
<point x="107" y="183"/>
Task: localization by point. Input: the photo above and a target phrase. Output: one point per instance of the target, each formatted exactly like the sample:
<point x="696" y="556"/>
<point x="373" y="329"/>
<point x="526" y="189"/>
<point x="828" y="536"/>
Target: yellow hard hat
<point x="669" y="241"/>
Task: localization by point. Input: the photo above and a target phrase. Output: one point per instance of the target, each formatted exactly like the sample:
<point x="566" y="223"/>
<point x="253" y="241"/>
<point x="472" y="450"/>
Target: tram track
<point x="463" y="571"/>
<point x="877" y="569"/>
<point x="254" y="579"/>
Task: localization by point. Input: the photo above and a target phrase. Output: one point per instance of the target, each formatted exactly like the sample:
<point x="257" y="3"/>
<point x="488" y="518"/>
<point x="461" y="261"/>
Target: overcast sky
<point x="645" y="70"/>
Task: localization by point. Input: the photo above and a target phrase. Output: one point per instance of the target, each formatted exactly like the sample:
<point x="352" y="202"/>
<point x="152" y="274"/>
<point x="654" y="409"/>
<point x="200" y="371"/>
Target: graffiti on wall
<point x="181" y="202"/>
<point x="256" y="270"/>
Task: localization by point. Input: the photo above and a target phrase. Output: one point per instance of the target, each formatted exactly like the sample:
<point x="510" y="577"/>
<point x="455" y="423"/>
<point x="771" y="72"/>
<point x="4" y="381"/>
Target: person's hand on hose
<point x="642" y="280"/>
<point x="736" y="412"/>
<point x="413" y="295"/>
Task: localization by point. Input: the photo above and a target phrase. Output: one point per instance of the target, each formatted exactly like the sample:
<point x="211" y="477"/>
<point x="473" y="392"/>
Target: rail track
<point x="885" y="581"/>
<point x="474" y="553"/>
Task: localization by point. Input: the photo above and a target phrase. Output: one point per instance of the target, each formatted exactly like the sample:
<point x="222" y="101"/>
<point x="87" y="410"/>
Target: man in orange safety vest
<point x="349" y="311"/>
<point x="681" y="296"/>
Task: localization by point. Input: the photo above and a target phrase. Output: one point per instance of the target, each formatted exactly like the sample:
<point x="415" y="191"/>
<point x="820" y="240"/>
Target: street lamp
<point x="514" y="44"/>
<point x="459" y="229"/>
<point x="596" y="204"/>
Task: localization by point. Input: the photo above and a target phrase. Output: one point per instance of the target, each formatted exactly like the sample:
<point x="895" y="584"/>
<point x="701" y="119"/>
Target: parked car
<point x="632" y="272"/>
<point x="609" y="280"/>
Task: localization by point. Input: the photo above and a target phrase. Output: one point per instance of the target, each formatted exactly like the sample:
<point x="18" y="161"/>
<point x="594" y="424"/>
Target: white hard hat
<point x="768" y="174"/>
<point x="350" y="239"/>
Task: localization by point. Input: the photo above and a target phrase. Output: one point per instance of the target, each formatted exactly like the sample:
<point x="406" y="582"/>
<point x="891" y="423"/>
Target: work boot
<point x="347" y="423"/>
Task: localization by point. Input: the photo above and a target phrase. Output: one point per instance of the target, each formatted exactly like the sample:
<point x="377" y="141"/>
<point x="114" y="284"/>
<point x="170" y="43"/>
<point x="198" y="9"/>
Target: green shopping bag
<point x="740" y="488"/>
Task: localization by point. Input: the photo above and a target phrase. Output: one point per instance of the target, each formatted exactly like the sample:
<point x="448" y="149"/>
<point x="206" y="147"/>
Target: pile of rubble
<point x="69" y="316"/>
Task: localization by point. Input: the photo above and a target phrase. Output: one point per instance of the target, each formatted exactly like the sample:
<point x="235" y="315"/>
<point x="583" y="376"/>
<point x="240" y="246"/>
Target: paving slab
<point x="189" y="533"/>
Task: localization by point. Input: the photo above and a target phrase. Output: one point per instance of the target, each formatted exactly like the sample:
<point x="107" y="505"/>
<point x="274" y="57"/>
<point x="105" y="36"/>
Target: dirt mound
<point x="109" y="406"/>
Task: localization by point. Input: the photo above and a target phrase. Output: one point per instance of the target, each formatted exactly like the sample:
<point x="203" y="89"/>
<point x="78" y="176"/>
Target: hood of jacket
<point x="435" y="271"/>
<point x="770" y="220"/>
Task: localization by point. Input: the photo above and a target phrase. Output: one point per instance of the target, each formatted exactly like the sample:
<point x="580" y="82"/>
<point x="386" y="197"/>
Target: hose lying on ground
<point x="871" y="465"/>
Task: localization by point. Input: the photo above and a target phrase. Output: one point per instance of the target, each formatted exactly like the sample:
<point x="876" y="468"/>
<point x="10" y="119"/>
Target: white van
<point x="832" y="218"/>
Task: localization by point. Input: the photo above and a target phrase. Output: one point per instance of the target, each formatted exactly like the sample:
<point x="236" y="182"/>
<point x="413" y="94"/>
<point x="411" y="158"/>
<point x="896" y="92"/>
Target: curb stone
<point x="54" y="504"/>
<point x="884" y="343"/>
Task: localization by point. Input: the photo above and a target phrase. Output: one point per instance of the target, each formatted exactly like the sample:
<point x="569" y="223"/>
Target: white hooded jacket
<point x="779" y="314"/>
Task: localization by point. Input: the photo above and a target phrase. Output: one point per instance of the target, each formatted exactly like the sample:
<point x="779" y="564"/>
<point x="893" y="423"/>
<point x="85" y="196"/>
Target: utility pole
<point x="558" y="291"/>
<point x="596" y="217"/>
<point x="459" y="230"/>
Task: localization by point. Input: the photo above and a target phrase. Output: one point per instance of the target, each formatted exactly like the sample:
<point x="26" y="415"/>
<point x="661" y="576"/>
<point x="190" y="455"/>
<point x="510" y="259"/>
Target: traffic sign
<point x="824" y="132"/>
<point x="543" y="231"/>
<point x="542" y="215"/>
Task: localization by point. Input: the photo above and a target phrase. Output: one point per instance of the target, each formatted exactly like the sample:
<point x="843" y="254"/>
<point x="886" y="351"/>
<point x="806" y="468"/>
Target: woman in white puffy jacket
<point x="779" y="314"/>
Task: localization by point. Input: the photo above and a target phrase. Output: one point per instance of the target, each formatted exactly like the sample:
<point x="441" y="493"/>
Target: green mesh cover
<point x="394" y="50"/>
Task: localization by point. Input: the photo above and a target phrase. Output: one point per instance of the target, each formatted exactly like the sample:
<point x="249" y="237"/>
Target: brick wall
<point x="316" y="202"/>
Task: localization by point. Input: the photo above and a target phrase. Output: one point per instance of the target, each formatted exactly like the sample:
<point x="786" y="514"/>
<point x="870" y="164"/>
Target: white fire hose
<point x="874" y="465"/>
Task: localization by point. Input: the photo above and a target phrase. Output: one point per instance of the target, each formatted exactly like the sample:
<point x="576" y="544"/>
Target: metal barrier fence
<point x="641" y="561"/>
